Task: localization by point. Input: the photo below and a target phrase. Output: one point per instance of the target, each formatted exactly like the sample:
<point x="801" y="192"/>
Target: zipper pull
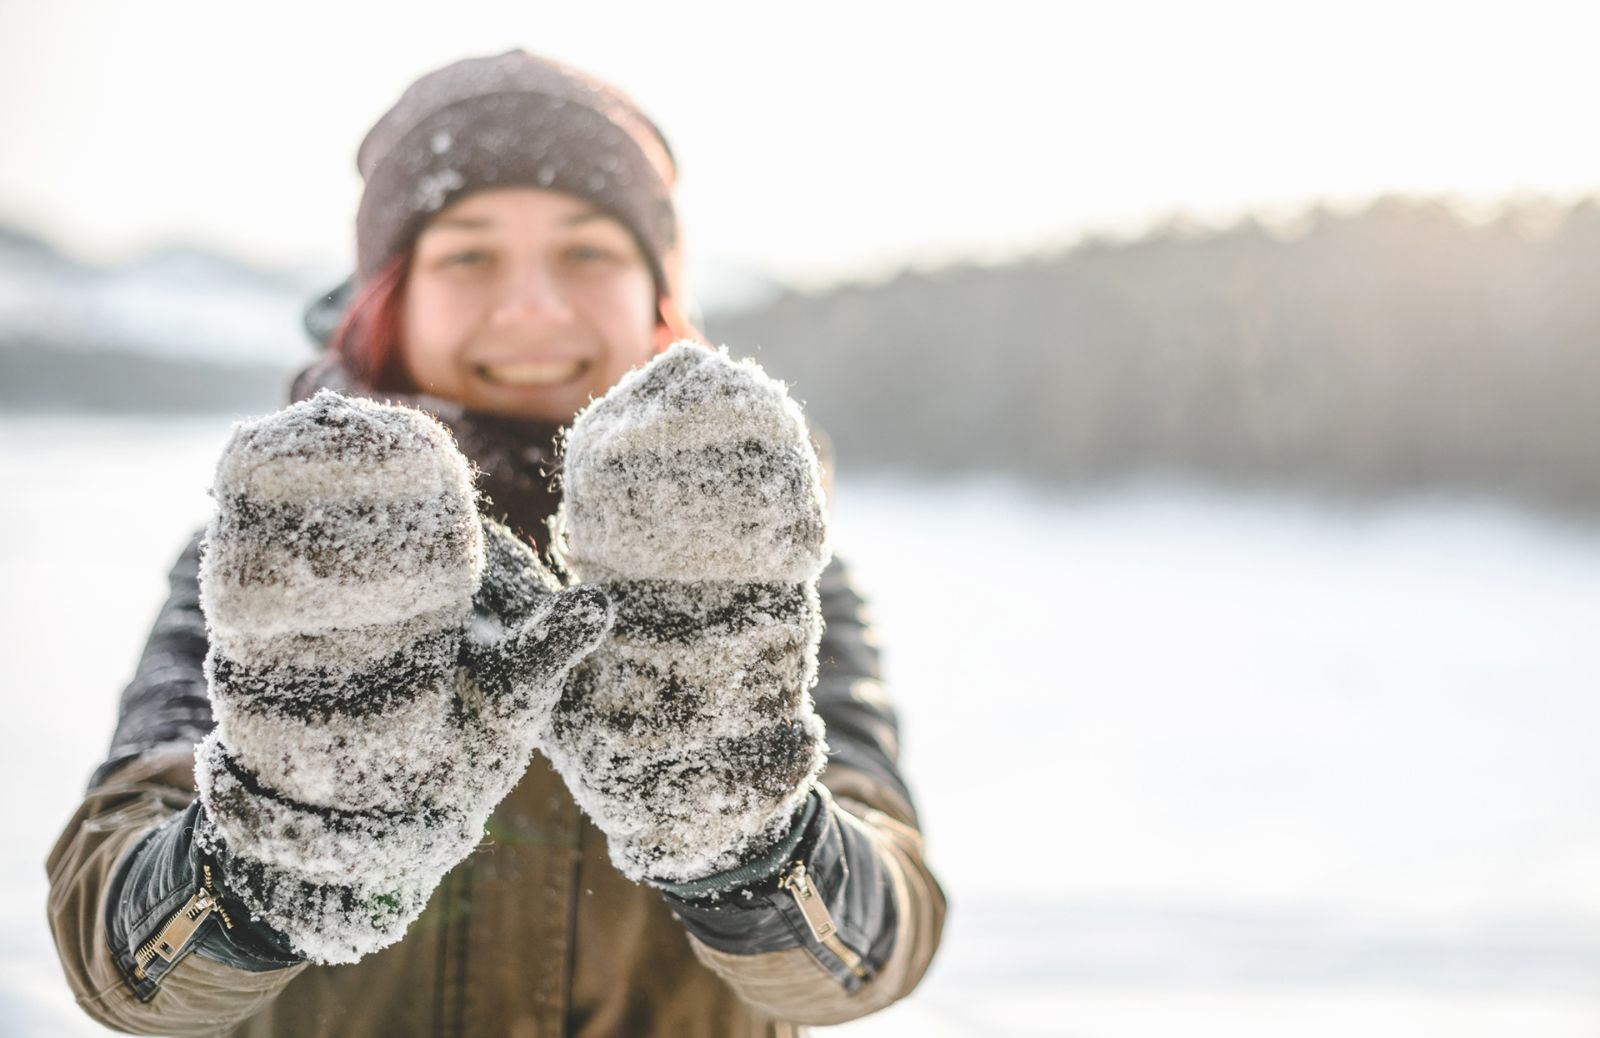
<point x="176" y="933"/>
<point x="797" y="882"/>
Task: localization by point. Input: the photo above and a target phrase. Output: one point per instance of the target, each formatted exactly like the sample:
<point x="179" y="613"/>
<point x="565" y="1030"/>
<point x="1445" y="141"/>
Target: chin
<point x="559" y="415"/>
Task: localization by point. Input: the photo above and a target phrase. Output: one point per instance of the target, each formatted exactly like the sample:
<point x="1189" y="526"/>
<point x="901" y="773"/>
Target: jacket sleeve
<point x="850" y="917"/>
<point x="125" y="867"/>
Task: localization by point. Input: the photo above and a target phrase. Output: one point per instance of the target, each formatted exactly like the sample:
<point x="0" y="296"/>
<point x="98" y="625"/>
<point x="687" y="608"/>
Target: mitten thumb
<point x="520" y="670"/>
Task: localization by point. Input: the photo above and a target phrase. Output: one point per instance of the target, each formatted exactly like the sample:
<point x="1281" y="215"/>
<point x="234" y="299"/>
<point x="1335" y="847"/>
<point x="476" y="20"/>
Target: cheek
<point x="432" y="330"/>
<point x="629" y="313"/>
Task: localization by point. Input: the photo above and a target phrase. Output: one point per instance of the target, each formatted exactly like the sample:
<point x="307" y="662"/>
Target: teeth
<point x="533" y="373"/>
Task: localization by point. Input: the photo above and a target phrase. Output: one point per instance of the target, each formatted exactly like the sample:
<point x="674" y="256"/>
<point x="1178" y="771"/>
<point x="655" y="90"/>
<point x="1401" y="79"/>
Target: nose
<point x="531" y="296"/>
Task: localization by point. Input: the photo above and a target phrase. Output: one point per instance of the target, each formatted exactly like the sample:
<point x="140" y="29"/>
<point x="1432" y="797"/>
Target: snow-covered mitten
<point x="692" y="497"/>
<point x="381" y="660"/>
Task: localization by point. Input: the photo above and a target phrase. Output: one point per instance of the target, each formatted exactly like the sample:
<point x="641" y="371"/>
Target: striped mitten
<point x="380" y="661"/>
<point x="691" y="496"/>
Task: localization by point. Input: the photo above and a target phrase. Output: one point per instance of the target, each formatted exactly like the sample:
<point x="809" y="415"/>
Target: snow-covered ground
<point x="1189" y="763"/>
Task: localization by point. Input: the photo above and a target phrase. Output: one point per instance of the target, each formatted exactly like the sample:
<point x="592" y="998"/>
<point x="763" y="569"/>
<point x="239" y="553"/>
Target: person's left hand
<point x="692" y="499"/>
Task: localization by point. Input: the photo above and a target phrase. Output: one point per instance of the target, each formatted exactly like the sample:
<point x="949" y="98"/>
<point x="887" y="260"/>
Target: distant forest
<point x="44" y="377"/>
<point x="1404" y="347"/>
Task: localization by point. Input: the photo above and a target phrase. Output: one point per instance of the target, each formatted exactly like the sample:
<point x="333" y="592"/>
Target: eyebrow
<point x="478" y="223"/>
<point x="459" y="223"/>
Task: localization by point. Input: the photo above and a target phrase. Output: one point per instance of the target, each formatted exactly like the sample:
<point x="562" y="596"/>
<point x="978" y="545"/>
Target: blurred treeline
<point x="1404" y="347"/>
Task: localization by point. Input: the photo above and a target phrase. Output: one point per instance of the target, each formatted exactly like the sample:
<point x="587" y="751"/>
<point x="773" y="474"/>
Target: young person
<point x="517" y="255"/>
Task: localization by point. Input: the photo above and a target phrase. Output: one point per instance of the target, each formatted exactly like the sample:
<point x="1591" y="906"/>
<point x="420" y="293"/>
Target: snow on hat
<point x="513" y="120"/>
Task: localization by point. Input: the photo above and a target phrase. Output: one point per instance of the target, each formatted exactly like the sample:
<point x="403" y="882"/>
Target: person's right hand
<point x="381" y="658"/>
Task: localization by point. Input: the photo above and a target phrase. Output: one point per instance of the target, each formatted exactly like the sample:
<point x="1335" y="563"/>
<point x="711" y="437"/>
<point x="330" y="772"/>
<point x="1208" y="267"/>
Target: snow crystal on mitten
<point x="353" y="595"/>
<point x="692" y="496"/>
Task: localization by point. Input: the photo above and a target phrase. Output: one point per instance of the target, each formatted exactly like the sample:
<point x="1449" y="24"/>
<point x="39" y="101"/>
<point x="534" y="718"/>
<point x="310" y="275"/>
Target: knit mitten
<point x="381" y="659"/>
<point x="691" y="496"/>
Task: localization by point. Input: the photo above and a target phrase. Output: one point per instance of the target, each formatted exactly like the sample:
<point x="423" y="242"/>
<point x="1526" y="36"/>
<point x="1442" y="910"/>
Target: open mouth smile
<point x="532" y="374"/>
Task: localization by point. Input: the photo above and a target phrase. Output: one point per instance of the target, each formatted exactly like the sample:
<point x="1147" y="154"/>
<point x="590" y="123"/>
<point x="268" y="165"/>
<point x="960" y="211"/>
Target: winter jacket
<point x="534" y="934"/>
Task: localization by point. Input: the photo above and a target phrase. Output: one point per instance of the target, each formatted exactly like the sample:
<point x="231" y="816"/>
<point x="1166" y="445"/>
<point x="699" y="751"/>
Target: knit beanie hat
<point x="513" y="120"/>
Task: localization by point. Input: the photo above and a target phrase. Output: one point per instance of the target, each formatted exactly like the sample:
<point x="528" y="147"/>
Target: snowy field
<point x="1190" y="764"/>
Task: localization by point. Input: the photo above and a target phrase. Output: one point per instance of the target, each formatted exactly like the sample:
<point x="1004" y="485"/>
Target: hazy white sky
<point x="817" y="140"/>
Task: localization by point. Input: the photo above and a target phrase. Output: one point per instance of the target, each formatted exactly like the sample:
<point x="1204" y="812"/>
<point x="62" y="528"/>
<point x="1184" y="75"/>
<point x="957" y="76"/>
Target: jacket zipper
<point x="180" y="927"/>
<point x="797" y="882"/>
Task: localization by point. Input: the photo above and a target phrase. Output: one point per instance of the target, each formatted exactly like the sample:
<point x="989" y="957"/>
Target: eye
<point x="466" y="258"/>
<point x="589" y="253"/>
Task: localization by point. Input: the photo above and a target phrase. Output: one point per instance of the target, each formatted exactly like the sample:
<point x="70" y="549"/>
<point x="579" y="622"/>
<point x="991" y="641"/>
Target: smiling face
<point x="525" y="303"/>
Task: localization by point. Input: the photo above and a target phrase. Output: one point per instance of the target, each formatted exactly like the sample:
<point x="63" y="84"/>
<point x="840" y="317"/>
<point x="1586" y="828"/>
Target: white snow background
<point x="1189" y="762"/>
